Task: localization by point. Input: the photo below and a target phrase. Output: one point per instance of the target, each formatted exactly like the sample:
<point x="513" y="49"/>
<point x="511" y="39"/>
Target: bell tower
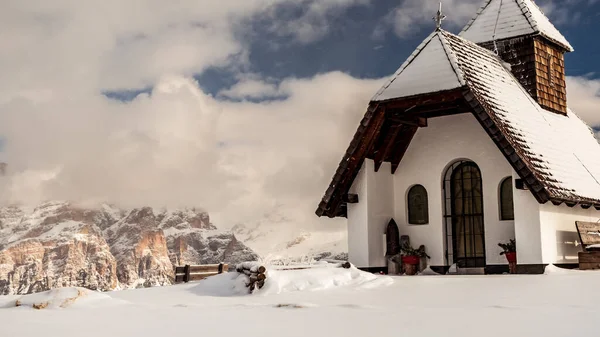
<point x="520" y="33"/>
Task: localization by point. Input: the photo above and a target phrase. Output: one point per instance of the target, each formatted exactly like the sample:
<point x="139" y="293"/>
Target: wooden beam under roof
<point x="351" y="198"/>
<point x="388" y="145"/>
<point x="411" y="103"/>
<point x="403" y="141"/>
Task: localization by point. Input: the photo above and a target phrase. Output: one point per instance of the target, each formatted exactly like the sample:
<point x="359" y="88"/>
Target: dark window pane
<point x="418" y="210"/>
<point x="506" y="200"/>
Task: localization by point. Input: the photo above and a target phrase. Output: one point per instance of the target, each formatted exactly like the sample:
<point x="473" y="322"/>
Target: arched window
<point x="418" y="210"/>
<point x="507" y="211"/>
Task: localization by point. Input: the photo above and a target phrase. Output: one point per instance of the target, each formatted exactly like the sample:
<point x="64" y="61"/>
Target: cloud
<point x="251" y="86"/>
<point x="413" y="15"/>
<point x="178" y="147"/>
<point x="114" y="44"/>
<point x="583" y="95"/>
<point x="313" y="22"/>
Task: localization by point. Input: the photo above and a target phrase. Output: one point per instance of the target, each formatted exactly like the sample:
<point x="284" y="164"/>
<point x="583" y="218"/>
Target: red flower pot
<point x="414" y="260"/>
<point x="511" y="257"/>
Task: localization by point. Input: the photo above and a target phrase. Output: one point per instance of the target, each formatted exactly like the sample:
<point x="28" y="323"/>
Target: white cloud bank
<point x="584" y="98"/>
<point x="176" y="146"/>
<point x="180" y="147"/>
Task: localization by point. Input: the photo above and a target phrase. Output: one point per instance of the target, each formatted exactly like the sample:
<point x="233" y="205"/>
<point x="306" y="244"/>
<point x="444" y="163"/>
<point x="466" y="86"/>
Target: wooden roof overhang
<point x="384" y="135"/>
<point x="388" y="128"/>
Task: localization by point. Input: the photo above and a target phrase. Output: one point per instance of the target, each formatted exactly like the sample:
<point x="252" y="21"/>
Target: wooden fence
<point x="189" y="273"/>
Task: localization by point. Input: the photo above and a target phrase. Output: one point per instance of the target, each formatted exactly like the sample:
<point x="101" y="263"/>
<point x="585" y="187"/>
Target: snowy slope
<point x="328" y="303"/>
<point x="280" y="241"/>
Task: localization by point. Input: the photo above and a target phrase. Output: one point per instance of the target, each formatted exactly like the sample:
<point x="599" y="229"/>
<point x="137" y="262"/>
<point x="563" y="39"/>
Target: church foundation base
<point x="374" y="270"/>
<point x="491" y="269"/>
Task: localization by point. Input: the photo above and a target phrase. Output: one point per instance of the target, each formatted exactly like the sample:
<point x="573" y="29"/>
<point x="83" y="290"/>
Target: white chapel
<point x="469" y="144"/>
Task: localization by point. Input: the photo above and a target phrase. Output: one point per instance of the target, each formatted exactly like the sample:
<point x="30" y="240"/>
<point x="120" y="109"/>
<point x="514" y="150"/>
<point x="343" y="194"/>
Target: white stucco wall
<point x="367" y="220"/>
<point x="546" y="233"/>
<point x="358" y="224"/>
<point x="527" y="227"/>
<point x="559" y="234"/>
<point x="381" y="202"/>
<point x="433" y="149"/>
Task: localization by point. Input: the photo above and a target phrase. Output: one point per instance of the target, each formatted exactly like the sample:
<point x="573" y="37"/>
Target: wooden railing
<point x="189" y="273"/>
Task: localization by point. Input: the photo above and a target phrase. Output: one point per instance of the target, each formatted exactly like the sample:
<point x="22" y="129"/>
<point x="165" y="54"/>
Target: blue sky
<point x="351" y="47"/>
<point x="356" y="43"/>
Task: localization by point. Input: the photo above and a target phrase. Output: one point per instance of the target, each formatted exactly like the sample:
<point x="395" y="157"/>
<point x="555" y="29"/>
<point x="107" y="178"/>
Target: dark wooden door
<point x="468" y="237"/>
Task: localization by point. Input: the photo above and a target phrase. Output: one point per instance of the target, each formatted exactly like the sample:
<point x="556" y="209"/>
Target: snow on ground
<point x="329" y="302"/>
<point x="61" y="298"/>
<point x="285" y="281"/>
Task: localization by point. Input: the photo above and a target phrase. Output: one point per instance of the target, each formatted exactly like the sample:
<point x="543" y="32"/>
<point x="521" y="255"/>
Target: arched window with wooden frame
<point x="417" y="205"/>
<point x="507" y="211"/>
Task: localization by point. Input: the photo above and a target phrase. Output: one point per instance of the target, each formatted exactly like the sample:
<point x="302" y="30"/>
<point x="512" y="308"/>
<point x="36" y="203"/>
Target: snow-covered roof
<point x="504" y="19"/>
<point x="561" y="151"/>
<point x="557" y="155"/>
<point x="426" y="70"/>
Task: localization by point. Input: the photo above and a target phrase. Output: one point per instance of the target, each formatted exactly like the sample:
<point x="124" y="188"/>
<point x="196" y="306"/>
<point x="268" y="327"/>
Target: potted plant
<point x="510" y="251"/>
<point x="411" y="258"/>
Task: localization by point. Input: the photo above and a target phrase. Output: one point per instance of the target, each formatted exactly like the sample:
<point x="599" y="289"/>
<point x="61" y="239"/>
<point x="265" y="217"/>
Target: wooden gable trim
<point x="400" y="119"/>
<point x="361" y="144"/>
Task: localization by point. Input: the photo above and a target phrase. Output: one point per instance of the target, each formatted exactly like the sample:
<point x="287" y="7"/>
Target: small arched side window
<point x="418" y="207"/>
<point x="507" y="211"/>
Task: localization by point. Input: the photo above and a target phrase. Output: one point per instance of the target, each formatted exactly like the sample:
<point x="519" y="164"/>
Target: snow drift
<point x="314" y="278"/>
<point x="64" y="298"/>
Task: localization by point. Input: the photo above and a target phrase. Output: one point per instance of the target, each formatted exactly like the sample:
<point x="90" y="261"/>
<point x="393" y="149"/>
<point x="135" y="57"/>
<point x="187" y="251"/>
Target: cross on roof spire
<point x="438" y="18"/>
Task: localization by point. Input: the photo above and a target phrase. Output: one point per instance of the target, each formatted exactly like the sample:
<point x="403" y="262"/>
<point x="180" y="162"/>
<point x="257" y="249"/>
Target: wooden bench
<point x="589" y="234"/>
<point x="189" y="273"/>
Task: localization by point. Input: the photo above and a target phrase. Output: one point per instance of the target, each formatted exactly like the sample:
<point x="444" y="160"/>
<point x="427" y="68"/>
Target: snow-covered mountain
<point x="58" y="244"/>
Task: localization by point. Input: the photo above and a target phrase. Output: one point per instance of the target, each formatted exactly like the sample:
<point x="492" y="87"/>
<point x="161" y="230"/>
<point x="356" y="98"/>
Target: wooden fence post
<point x="220" y="268"/>
<point x="186" y="270"/>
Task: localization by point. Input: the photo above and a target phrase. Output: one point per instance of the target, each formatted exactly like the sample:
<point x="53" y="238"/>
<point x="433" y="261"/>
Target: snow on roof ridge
<point x="454" y="74"/>
<point x="452" y="57"/>
<point x="537" y="22"/>
<point x="408" y="61"/>
<point x="479" y="12"/>
<point x="560" y="39"/>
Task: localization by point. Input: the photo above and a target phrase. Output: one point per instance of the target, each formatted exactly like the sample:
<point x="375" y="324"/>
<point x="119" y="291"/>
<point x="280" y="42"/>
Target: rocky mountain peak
<point x="58" y="244"/>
